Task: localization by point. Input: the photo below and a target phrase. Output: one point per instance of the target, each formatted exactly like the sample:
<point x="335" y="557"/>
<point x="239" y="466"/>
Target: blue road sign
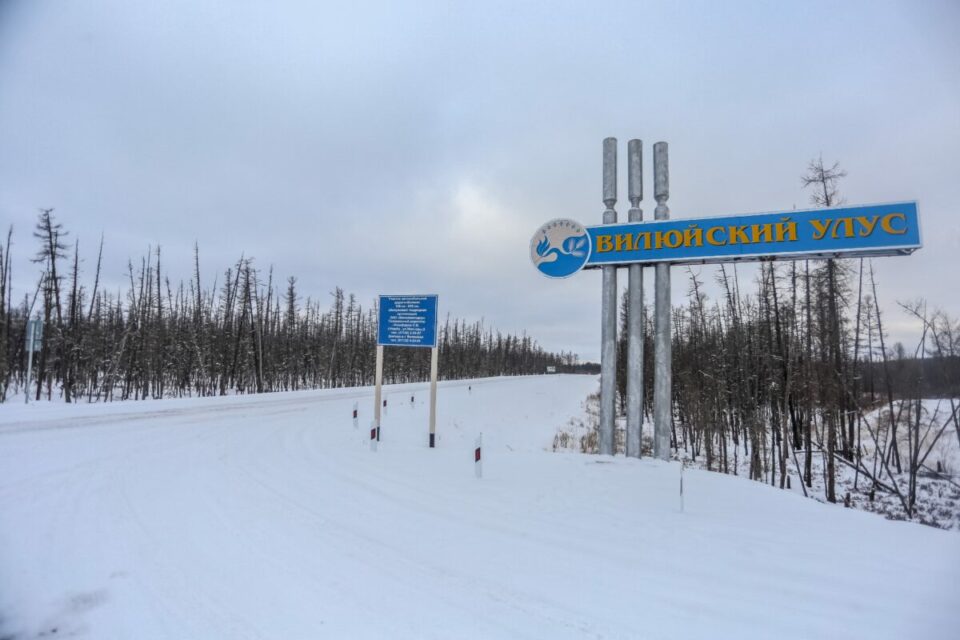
<point x="407" y="321"/>
<point x="34" y="334"/>
<point x="868" y="230"/>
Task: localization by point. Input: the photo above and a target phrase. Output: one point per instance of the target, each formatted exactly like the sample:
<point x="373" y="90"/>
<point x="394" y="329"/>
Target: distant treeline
<point x="937" y="377"/>
<point x="587" y="368"/>
<point x="244" y="335"/>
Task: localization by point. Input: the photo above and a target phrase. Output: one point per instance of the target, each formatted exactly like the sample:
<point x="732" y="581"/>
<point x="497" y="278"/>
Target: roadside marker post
<point x="478" y="456"/>
<point x="374" y="436"/>
<point x="682" y="465"/>
<point x="356" y="415"/>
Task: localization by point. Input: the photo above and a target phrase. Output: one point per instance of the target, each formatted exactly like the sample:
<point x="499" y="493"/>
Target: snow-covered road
<point x="269" y="517"/>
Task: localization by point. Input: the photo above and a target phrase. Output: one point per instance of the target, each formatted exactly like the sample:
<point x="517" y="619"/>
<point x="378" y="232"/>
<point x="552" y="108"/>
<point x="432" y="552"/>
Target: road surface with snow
<point x="270" y="517"/>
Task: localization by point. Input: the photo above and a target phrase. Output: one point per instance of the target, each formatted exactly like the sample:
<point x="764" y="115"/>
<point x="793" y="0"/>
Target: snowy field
<point x="938" y="494"/>
<point x="269" y="517"/>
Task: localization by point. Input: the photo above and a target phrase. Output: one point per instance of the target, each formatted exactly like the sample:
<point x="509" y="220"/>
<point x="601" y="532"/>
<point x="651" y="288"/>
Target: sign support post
<point x="608" y="321"/>
<point x="377" y="391"/>
<point x="662" y="353"/>
<point x="31" y="327"/>
<point x="635" y="309"/>
<point x="434" y="356"/>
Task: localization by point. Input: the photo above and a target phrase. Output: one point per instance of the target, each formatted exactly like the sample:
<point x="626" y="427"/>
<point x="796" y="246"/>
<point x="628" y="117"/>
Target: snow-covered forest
<point x="790" y="374"/>
<point x="238" y="332"/>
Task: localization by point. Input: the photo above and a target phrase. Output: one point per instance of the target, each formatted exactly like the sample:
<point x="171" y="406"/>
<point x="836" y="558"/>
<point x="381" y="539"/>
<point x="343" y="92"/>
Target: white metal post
<point x="682" y="464"/>
<point x="635" y="308"/>
<point x="662" y="411"/>
<point x="434" y="355"/>
<point x="608" y="326"/>
<point x="376" y="393"/>
<point x="31" y="326"/>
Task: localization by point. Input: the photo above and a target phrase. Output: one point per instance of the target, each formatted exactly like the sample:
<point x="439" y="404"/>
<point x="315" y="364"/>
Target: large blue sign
<point x="868" y="230"/>
<point x="407" y="321"/>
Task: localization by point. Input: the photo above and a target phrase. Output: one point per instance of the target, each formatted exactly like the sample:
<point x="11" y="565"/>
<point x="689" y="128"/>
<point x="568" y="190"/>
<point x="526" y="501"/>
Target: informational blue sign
<point x="34" y="334"/>
<point x="868" y="230"/>
<point x="407" y="321"/>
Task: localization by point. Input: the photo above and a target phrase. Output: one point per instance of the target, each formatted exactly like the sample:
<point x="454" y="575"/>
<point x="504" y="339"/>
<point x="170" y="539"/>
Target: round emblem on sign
<point x="560" y="248"/>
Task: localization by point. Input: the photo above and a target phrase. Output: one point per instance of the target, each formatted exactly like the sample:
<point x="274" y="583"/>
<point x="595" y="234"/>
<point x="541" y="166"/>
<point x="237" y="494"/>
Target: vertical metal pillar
<point x="30" y="339"/>
<point x="376" y="393"/>
<point x="662" y="410"/>
<point x="433" y="395"/>
<point x="635" y="308"/>
<point x="608" y="323"/>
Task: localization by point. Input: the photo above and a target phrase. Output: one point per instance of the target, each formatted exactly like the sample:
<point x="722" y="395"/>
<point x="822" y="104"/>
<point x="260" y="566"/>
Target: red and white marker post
<point x="374" y="435"/>
<point x="356" y="415"/>
<point x="478" y="456"/>
<point x="682" y="465"/>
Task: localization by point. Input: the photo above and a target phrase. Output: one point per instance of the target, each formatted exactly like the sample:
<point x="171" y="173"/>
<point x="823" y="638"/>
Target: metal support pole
<point x="635" y="308"/>
<point x="433" y="396"/>
<point x="376" y="393"/>
<point x="662" y="410"/>
<point x="26" y="396"/>
<point x="608" y="326"/>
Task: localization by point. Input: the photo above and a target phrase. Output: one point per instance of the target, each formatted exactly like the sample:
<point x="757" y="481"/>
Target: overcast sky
<point x="415" y="147"/>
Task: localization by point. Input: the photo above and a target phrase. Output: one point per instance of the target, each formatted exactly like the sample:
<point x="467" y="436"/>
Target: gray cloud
<point x="416" y="146"/>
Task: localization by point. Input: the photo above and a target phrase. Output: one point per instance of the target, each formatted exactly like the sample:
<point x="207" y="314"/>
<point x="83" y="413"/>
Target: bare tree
<point x="825" y="193"/>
